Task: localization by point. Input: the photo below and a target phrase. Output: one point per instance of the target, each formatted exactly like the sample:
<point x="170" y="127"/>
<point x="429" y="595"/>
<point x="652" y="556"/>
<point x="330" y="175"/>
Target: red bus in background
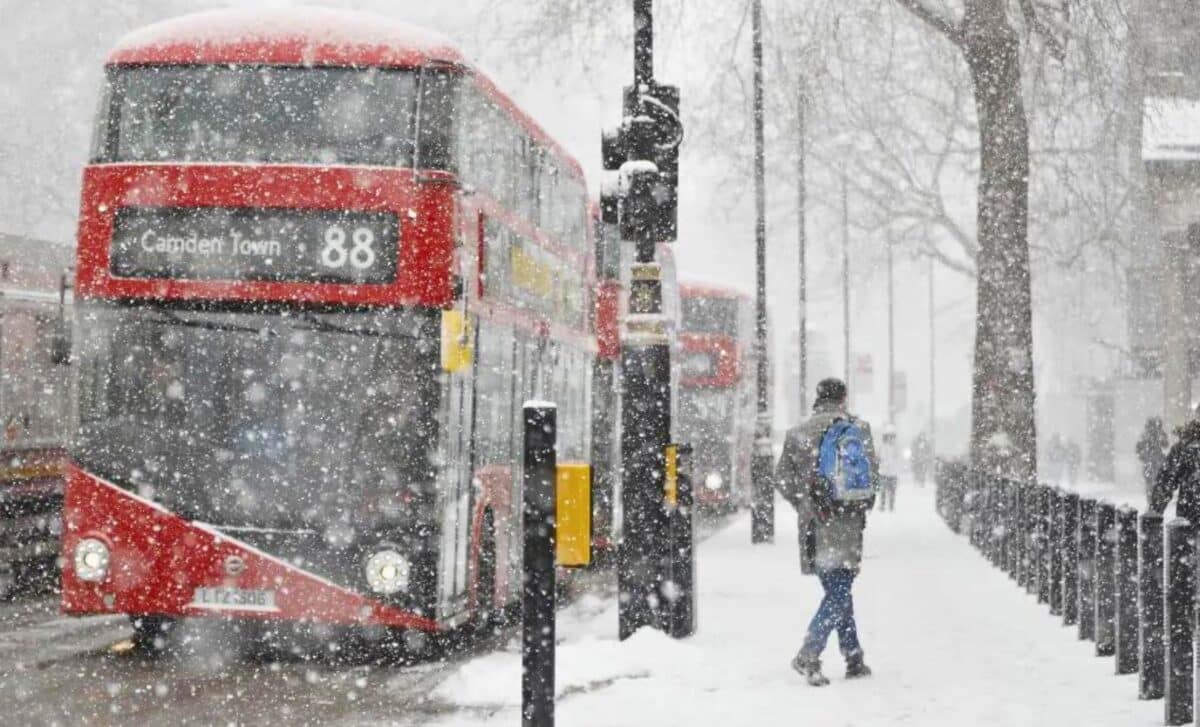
<point x="34" y="296"/>
<point x="716" y="391"/>
<point x="322" y="262"/>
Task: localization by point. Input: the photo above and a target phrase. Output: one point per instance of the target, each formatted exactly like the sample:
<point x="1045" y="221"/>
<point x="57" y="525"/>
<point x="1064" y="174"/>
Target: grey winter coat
<point x="836" y="530"/>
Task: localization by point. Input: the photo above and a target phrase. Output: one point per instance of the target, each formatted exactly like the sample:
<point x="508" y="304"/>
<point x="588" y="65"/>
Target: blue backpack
<point x="844" y="462"/>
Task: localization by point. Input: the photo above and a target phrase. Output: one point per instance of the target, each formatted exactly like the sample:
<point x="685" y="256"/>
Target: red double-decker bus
<point x="322" y="262"/>
<point x="716" y="391"/>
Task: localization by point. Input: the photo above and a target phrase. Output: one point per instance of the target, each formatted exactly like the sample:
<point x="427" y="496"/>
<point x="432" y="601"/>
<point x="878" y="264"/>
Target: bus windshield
<point x="268" y="114"/>
<point x="714" y="316"/>
<point x="288" y="420"/>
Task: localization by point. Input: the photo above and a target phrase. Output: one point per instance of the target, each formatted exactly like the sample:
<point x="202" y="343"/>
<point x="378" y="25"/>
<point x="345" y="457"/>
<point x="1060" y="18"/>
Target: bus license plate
<point x="238" y="599"/>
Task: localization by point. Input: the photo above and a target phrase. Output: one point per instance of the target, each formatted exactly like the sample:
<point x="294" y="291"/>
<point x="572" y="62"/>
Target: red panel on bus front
<point x="425" y="209"/>
<point x="158" y="560"/>
<point x="723" y="349"/>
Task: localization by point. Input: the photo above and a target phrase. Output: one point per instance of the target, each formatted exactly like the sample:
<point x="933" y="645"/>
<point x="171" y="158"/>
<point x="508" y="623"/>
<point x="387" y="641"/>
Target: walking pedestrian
<point x="1181" y="473"/>
<point x="889" y="469"/>
<point x="829" y="473"/>
<point x="1152" y="452"/>
<point x="922" y="459"/>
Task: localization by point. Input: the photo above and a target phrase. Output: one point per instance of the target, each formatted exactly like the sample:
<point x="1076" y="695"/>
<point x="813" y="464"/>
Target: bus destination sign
<point x="255" y="244"/>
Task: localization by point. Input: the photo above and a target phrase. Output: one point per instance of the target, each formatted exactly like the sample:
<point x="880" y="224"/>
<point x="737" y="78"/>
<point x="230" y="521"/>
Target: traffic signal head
<point x="645" y="148"/>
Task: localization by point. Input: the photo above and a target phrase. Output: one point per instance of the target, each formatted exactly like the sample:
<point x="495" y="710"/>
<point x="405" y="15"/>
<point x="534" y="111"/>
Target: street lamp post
<point x="802" y="240"/>
<point x="846" y="283"/>
<point x="932" y="368"/>
<point x="762" y="521"/>
<point x="891" y="293"/>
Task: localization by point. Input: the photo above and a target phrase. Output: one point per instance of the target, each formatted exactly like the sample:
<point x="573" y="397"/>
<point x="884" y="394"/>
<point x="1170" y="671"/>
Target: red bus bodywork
<point x="729" y="378"/>
<point x="160" y="558"/>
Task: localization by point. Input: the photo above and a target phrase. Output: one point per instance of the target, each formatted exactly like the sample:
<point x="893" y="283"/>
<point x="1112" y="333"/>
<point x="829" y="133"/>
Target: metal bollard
<point x="1105" y="582"/>
<point x="991" y="526"/>
<point x="1179" y="604"/>
<point x="1056" y="551"/>
<point x="1003" y="508"/>
<point x="679" y="589"/>
<point x="1025" y="543"/>
<point x="538" y="601"/>
<point x="1070" y="558"/>
<point x="1044" y="544"/>
<point x="1087" y="568"/>
<point x="1150" y="606"/>
<point x="1012" y="520"/>
<point x="1126" y="577"/>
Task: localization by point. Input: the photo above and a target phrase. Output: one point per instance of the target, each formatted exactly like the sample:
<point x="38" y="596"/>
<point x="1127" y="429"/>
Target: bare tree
<point x="1003" y="437"/>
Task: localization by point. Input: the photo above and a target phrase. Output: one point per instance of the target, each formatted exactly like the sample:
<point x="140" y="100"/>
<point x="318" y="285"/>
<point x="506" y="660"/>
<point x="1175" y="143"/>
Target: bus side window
<point x="435" y="128"/>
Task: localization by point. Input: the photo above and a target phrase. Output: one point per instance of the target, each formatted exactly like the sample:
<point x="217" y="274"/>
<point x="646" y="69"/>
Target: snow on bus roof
<point x="705" y="289"/>
<point x="305" y="35"/>
<point x="314" y="29"/>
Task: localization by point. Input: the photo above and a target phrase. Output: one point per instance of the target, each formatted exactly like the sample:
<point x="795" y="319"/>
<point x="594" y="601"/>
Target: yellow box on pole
<point x="573" y="496"/>
<point x="456" y="341"/>
<point x="671" y="484"/>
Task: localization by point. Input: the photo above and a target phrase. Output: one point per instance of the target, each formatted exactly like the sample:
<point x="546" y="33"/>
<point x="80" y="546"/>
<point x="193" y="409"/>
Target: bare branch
<point x="1053" y="44"/>
<point x="934" y="19"/>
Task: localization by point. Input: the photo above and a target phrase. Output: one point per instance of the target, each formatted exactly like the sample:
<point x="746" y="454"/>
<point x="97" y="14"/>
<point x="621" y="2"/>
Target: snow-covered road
<point x="952" y="642"/>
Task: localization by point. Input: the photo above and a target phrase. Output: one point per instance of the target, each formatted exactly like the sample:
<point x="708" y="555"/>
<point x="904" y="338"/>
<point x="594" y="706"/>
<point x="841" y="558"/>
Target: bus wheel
<point x="486" y="616"/>
<point x="152" y="634"/>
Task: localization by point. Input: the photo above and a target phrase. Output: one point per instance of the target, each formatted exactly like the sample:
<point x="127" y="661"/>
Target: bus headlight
<point x="91" y="560"/>
<point x="714" y="481"/>
<point x="387" y="572"/>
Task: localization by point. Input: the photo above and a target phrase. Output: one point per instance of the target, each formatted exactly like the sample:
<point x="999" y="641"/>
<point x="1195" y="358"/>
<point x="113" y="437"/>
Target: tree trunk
<point x="1003" y="436"/>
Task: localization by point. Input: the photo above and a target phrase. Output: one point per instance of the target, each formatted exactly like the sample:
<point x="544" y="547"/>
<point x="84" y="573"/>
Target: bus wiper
<point x="210" y="325"/>
<point x="321" y="324"/>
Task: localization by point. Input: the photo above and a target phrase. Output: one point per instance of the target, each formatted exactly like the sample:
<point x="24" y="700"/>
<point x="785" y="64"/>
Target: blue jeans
<point x="836" y="612"/>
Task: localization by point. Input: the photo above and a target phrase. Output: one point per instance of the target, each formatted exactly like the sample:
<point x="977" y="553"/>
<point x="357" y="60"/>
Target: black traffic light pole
<point x="645" y="152"/>
<point x="762" y="523"/>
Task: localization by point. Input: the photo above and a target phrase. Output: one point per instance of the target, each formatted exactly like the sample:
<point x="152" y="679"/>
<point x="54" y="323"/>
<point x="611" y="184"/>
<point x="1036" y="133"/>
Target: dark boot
<point x="856" y="668"/>
<point x="810" y="669"/>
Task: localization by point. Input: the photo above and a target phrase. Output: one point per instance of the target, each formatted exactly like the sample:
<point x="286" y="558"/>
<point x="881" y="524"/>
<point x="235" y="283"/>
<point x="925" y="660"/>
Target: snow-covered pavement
<point x="952" y="641"/>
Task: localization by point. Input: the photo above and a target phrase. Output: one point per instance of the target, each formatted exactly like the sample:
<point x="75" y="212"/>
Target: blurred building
<point x="1161" y="158"/>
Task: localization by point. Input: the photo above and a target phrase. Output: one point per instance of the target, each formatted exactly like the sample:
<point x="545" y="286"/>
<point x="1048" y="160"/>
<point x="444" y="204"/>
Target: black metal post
<point x="973" y="505"/>
<point x="643" y="553"/>
<point x="1070" y="558"/>
<point x="1044" y="543"/>
<point x="1150" y="605"/>
<point x="762" y="522"/>
<point x="1106" y="603"/>
<point x="1087" y="569"/>
<point x="1126" y="575"/>
<point x="679" y="590"/>
<point x="1179" y="606"/>
<point x="641" y="557"/>
<point x="538" y="520"/>
<point x="999" y="517"/>
<point x="1024" y="536"/>
<point x="1057" y="539"/>
<point x="1011" y="529"/>
<point x="995" y="524"/>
